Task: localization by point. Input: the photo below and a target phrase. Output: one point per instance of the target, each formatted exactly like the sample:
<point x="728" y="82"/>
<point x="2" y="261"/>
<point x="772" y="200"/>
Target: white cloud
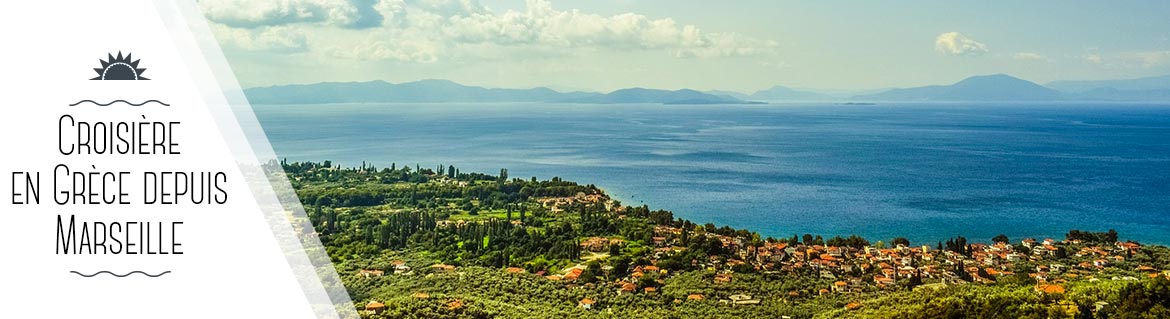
<point x="778" y="65"/>
<point x="1148" y="59"/>
<point x="417" y="50"/>
<point x="1130" y="59"/>
<point x="430" y="30"/>
<point x="541" y="24"/>
<point x="954" y="43"/>
<point x="274" y="38"/>
<point x="256" y="14"/>
<point x="725" y="45"/>
<point x="1030" y="56"/>
<point x="1094" y="58"/>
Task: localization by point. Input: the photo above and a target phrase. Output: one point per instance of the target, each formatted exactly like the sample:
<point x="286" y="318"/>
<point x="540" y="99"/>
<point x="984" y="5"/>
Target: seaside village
<point x="849" y="270"/>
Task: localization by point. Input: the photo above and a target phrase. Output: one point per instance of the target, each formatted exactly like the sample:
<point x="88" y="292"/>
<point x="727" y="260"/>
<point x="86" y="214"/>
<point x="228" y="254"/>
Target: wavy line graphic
<point x="116" y="101"/>
<point x="120" y="276"/>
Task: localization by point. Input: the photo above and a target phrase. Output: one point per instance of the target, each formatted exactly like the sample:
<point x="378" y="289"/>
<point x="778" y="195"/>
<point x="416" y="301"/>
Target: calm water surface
<point x="927" y="172"/>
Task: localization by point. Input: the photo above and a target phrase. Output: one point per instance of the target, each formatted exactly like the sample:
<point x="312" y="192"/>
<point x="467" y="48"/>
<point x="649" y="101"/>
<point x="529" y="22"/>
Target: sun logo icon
<point x="119" y="68"/>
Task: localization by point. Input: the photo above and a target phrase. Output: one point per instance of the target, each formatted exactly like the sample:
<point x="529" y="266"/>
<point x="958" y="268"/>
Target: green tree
<point x="621" y="266"/>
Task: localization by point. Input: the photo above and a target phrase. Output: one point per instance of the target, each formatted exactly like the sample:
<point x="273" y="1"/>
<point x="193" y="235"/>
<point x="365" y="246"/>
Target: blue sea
<point x="924" y="171"/>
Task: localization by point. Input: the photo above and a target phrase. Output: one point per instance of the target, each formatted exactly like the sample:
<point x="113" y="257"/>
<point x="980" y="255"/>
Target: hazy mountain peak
<point x="1143" y="84"/>
<point x="779" y="92"/>
<point x="998" y="79"/>
<point x="993" y="87"/>
<point x="378" y="91"/>
<point x="644" y="95"/>
<point x="438" y="90"/>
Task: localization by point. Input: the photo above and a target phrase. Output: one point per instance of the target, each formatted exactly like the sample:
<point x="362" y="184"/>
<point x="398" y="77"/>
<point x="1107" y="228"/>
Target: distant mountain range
<point x="1003" y="87"/>
<point x="448" y="91"/>
<point x="1139" y="84"/>
<point x="784" y="93"/>
<point x="996" y="87"/>
<point x="1156" y="88"/>
<point x="640" y="95"/>
<point x="776" y="93"/>
<point x="382" y="91"/>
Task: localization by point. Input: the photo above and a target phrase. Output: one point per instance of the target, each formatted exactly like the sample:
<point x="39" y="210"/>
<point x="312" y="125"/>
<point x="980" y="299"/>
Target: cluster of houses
<point x="558" y="204"/>
<point x="850" y="270"/>
<point x="1050" y="262"/>
<point x="599" y="244"/>
<point x="375" y="307"/>
<point x="854" y="269"/>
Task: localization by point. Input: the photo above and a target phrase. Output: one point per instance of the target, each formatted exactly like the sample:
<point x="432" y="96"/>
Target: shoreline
<point x="557" y="234"/>
<point x="783" y="234"/>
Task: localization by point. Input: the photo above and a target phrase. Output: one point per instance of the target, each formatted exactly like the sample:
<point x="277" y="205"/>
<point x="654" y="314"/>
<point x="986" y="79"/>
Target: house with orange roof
<point x="627" y="288"/>
<point x="375" y="307"/>
<point x="370" y="273"/>
<point x="401" y="269"/>
<point x="1129" y="245"/>
<point x="742" y="299"/>
<point x="840" y="286"/>
<point x="443" y="267"/>
<point x="573" y="274"/>
<point x="1050" y="289"/>
<point x="586" y="303"/>
<point x="993" y="272"/>
<point x="454" y="304"/>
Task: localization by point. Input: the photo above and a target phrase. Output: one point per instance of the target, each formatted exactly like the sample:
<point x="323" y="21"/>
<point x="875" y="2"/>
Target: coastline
<point x="617" y="256"/>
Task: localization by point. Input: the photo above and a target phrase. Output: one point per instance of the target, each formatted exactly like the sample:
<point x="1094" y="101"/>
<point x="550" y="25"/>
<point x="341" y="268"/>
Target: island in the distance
<point x="438" y="242"/>
<point x="995" y="87"/>
<point x="640" y="95"/>
<point x="438" y="91"/>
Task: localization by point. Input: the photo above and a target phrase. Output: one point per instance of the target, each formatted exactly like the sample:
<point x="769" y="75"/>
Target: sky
<point x="603" y="45"/>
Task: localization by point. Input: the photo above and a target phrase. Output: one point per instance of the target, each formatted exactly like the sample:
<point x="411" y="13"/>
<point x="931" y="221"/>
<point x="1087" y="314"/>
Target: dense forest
<point x="437" y="242"/>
